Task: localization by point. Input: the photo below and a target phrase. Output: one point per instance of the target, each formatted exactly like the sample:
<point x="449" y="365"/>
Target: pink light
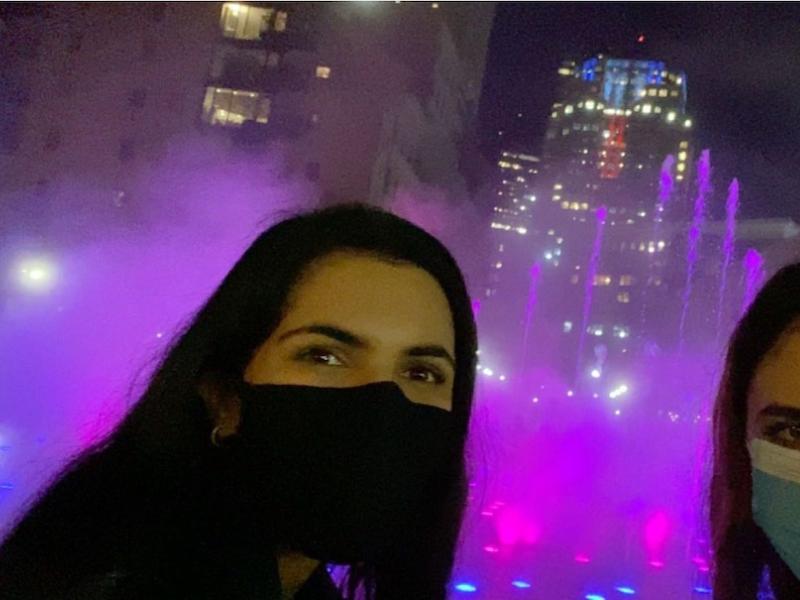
<point x="487" y="513"/>
<point x="656" y="563"/>
<point x="491" y="549"/>
<point x="513" y="527"/>
<point x="582" y="558"/>
<point x="656" y="531"/>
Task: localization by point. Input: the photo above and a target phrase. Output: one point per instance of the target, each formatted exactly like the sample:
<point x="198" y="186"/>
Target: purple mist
<point x="731" y="207"/>
<point x="594" y="259"/>
<point x="695" y="233"/>
<point x="754" y="273"/>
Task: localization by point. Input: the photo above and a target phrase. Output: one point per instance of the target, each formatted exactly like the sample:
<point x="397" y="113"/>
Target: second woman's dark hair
<point x="140" y="500"/>
<point x="741" y="550"/>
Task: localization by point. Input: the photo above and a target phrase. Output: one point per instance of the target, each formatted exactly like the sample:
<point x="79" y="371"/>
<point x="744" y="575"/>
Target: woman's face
<point x="353" y="319"/>
<point x="774" y="400"/>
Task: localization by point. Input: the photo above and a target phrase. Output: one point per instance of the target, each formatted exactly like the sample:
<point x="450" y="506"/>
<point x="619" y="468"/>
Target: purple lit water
<point x="731" y="208"/>
<point x="600" y="214"/>
<point x="665" y="187"/>
<point x="754" y="276"/>
<point x="694" y="235"/>
<point x="530" y="307"/>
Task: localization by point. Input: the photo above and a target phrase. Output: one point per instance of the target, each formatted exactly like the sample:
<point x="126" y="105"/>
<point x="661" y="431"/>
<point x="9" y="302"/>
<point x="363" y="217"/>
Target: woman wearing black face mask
<point x="315" y="412"/>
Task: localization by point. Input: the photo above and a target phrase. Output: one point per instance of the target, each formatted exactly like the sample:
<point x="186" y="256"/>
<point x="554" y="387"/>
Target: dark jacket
<point x="117" y="586"/>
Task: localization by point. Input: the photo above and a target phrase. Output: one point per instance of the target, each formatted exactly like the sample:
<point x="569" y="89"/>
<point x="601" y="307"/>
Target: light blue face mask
<point x="776" y="498"/>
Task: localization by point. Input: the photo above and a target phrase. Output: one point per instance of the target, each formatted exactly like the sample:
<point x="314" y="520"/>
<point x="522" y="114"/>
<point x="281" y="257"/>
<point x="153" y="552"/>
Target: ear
<point x="223" y="406"/>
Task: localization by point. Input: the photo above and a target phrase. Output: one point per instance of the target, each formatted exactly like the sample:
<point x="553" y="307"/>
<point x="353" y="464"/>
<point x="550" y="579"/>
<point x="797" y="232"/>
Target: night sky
<point x="742" y="63"/>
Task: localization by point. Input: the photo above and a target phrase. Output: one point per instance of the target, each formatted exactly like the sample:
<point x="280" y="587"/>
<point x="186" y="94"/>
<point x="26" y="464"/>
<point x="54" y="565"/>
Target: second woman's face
<point x="774" y="401"/>
<point x="354" y="319"/>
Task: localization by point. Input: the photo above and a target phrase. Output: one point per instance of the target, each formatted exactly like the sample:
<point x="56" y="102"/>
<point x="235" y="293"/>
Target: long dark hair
<point x="141" y="499"/>
<point x="741" y="550"/>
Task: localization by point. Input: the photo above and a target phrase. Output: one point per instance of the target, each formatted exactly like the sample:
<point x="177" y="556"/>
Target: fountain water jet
<point x="695" y="232"/>
<point x="594" y="259"/>
<point x="535" y="273"/>
<point x="731" y="207"/>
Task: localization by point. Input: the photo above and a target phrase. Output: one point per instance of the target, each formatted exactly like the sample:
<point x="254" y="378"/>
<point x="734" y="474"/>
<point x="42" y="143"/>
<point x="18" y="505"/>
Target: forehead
<point x="387" y="302"/>
<point x="777" y="379"/>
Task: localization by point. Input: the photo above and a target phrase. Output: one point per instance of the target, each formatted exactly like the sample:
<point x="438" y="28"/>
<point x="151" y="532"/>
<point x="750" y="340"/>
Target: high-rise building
<point x="360" y="98"/>
<point x="613" y="123"/>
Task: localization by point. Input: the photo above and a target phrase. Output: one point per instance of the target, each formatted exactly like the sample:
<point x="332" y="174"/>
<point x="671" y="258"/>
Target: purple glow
<point x="695" y="232"/>
<point x="731" y="208"/>
<point x="594" y="260"/>
<point x="476" y="308"/>
<point x="656" y="532"/>
<point x="754" y="274"/>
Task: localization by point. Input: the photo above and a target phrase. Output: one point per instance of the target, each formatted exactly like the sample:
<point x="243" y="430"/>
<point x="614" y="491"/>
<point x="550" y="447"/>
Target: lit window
<point x="280" y="21"/>
<point x="245" y="22"/>
<point x="564" y="71"/>
<point x="568" y="109"/>
<point x="323" y="72"/>
<point x="684" y="144"/>
<point x="590" y="105"/>
<point x="687" y="123"/>
<point x="558" y="186"/>
<point x="601" y="280"/>
<point x="623" y="297"/>
<point x="647" y="108"/>
<point x="662" y="93"/>
<point x="681" y="167"/>
<point x="682" y="155"/>
<point x="621" y="332"/>
<point x="674" y="93"/>
<point x="596" y="330"/>
<point x="565" y="205"/>
<point x="223" y="106"/>
<point x="651" y="92"/>
<point x="626" y="280"/>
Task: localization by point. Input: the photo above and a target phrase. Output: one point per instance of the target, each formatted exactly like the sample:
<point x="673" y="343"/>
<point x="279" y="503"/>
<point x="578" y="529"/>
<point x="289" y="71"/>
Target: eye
<point x="426" y="374"/>
<point x="320" y="356"/>
<point x="785" y="434"/>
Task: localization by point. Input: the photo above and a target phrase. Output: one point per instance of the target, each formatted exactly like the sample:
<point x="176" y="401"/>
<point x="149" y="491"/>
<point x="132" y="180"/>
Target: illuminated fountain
<point x="591" y="272"/>
<point x="731" y="207"/>
<point x="695" y="232"/>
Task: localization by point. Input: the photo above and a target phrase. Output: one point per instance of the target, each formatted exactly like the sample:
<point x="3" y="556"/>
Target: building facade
<point x="359" y="98"/>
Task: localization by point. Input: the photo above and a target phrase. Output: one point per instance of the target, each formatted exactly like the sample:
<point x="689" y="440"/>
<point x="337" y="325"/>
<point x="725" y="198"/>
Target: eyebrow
<point x="350" y="339"/>
<point x="779" y="410"/>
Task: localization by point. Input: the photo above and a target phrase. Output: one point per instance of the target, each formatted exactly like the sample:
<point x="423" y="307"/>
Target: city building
<point x="612" y="125"/>
<point x="359" y="98"/>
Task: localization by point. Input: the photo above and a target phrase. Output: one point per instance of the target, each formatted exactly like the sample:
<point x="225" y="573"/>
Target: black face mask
<point x="343" y="475"/>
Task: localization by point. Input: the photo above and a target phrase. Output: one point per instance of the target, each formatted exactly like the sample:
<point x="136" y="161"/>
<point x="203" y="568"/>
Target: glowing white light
<point x="568" y="109"/>
<point x="687" y="123"/>
<point x="670" y="116"/>
<point x="488" y="372"/>
<point x="502" y="377"/>
<point x="35" y="275"/>
<point x="548" y="255"/>
<point x="647" y="108"/>
<point x="590" y="105"/>
<point x="618" y="412"/>
<point x="618" y="391"/>
<point x="595" y="373"/>
<point x="535" y="400"/>
<point x="570" y="393"/>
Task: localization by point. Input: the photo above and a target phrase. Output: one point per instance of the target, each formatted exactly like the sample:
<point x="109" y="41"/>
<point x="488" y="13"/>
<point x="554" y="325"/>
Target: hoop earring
<point x="215" y="441"/>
